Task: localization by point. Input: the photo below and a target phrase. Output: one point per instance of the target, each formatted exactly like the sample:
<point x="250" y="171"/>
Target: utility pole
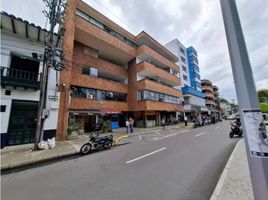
<point x="52" y="58"/>
<point x="254" y="129"/>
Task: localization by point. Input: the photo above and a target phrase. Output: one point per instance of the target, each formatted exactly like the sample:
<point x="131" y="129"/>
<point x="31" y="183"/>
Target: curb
<point x="217" y="190"/>
<point x="37" y="161"/>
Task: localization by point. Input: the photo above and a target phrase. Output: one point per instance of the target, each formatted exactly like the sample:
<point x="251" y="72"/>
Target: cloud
<point x="195" y="23"/>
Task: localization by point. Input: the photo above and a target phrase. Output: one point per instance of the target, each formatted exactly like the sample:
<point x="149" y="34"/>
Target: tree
<point x="263" y="95"/>
<point x="264" y="107"/>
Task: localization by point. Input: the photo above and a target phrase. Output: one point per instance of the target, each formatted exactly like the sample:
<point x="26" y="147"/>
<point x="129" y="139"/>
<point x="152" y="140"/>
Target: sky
<point x="196" y="23"/>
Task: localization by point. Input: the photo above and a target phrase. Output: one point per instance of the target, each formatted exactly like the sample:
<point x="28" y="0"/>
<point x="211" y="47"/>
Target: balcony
<point x="148" y="70"/>
<point x="20" y="78"/>
<point x="94" y="104"/>
<point x="215" y="88"/>
<point x="206" y="82"/>
<point x="145" y="53"/>
<point x="210" y="102"/>
<point x="207" y="89"/>
<point x="156" y="105"/>
<point x="209" y="95"/>
<point x="98" y="83"/>
<point x="216" y="93"/>
<point x="157" y="87"/>
<point x="109" y="46"/>
<point x="110" y="69"/>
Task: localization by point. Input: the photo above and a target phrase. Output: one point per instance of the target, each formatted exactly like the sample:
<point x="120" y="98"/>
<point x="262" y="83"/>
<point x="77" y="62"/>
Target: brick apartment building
<point x="112" y="73"/>
<point x="212" y="96"/>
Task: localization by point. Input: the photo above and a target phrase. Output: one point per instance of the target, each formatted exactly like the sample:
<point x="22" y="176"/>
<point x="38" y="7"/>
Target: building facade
<point x="194" y="102"/>
<point x="21" y="68"/>
<point x="212" y="96"/>
<point x="113" y="75"/>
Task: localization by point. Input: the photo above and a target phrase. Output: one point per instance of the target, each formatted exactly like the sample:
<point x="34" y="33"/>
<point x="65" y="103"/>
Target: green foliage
<point x="71" y="129"/>
<point x="264" y="107"/>
<point x="263" y="95"/>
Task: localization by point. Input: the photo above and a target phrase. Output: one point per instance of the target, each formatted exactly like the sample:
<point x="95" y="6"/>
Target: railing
<point x="19" y="78"/>
<point x="105" y="28"/>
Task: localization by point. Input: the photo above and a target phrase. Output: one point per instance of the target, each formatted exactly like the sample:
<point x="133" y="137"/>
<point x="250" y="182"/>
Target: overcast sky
<point x="196" y="23"/>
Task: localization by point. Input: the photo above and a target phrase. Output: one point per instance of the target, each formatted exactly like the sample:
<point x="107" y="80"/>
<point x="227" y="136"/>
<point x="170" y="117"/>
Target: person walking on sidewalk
<point x="164" y="123"/>
<point x="131" y="124"/>
<point x="185" y="120"/>
<point x="127" y="126"/>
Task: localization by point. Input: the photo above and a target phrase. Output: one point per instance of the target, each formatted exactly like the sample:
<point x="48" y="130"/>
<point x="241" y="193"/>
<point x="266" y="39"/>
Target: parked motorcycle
<point x="236" y="129"/>
<point x="97" y="142"/>
<point x="197" y="124"/>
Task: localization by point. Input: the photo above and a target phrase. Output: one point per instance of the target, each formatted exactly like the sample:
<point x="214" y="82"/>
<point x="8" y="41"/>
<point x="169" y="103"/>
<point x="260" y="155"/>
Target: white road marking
<point x="217" y="127"/>
<point x="140" y="138"/>
<point x="200" y="134"/>
<point x="148" y="154"/>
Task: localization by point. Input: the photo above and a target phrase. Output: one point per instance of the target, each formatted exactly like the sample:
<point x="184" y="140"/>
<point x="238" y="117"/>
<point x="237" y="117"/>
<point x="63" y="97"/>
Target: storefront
<point x="86" y="121"/>
<point x="146" y="119"/>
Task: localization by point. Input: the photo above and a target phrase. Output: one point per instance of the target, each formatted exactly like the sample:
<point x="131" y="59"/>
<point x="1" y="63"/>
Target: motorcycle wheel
<point x="231" y="135"/>
<point x="107" y="145"/>
<point x="85" y="149"/>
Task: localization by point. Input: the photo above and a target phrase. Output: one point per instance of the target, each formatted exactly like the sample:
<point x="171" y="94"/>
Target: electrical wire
<point x="131" y="28"/>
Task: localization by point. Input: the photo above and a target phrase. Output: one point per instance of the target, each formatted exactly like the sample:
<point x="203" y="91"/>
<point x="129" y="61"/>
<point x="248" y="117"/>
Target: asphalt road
<point x="168" y="165"/>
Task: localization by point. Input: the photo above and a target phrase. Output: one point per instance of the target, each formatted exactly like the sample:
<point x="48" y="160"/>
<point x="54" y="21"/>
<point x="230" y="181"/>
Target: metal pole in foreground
<point x="256" y="146"/>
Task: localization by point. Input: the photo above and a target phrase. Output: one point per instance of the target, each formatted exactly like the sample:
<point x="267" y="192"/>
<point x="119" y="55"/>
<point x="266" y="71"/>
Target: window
<point x="183" y="59"/>
<point x="184" y="77"/>
<point x="90" y="93"/>
<point x="91" y="71"/>
<point x="8" y="92"/>
<point x="104" y="27"/>
<point x="184" y="68"/>
<point x="96" y="23"/>
<point x="3" y="108"/>
<point x="86" y="70"/>
<point x="182" y="51"/>
<point x="90" y="51"/>
<point x="155" y="96"/>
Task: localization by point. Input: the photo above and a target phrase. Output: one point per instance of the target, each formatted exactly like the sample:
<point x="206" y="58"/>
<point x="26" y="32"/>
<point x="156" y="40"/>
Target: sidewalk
<point x="22" y="155"/>
<point x="235" y="180"/>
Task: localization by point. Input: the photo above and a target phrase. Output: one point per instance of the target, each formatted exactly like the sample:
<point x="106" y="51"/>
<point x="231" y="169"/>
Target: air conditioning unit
<point x="90" y="96"/>
<point x="93" y="72"/>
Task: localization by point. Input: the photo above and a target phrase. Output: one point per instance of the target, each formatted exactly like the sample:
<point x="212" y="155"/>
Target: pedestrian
<point x="185" y="120"/>
<point x="131" y="124"/>
<point x="127" y="126"/>
<point x="163" y="123"/>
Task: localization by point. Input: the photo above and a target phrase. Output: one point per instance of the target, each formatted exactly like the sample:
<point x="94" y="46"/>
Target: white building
<point x="178" y="49"/>
<point x="21" y="68"/>
<point x="193" y="96"/>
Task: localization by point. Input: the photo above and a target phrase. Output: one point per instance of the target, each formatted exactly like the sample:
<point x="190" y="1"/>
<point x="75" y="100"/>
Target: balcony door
<point x="22" y="122"/>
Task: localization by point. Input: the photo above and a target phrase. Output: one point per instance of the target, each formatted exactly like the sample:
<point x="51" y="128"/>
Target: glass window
<point x="100" y="95"/>
<point x="90" y="93"/>
<point x="82" y="14"/>
<point x="182" y="51"/>
<point x="183" y="59"/>
<point x="86" y="70"/>
<point x="96" y="23"/>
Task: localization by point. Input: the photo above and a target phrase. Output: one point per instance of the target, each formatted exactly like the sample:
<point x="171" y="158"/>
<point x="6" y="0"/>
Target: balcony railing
<point x="20" y="78"/>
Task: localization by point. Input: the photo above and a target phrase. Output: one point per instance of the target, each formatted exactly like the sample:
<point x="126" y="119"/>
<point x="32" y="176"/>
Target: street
<point x="182" y="164"/>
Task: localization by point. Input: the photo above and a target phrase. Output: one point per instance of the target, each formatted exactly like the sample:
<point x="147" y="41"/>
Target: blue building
<point x="194" y="75"/>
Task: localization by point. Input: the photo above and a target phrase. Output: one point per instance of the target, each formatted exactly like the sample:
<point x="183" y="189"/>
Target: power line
<point x="124" y="22"/>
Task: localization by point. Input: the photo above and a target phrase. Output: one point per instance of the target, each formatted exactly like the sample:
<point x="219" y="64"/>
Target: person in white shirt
<point x="185" y="120"/>
<point x="127" y="126"/>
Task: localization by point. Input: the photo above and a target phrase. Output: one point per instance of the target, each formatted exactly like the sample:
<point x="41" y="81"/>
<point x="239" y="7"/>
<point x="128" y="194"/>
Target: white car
<point x="231" y="117"/>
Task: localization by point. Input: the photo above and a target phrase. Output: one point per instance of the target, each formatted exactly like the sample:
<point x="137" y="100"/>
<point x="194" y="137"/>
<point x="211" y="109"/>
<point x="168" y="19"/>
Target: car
<point x="231" y="117"/>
